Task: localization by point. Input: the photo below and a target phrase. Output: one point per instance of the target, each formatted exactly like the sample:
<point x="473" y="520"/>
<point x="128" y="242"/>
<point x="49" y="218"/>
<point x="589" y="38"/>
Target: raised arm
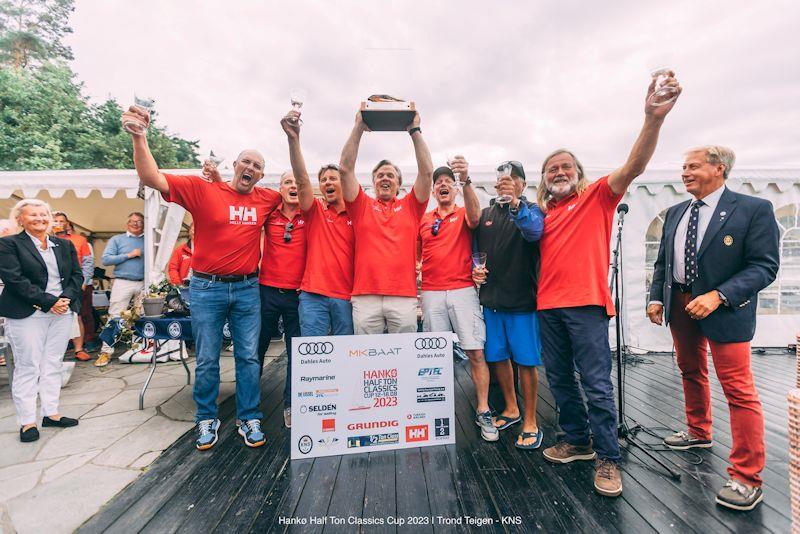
<point x="305" y="191"/>
<point x="424" y="181"/>
<point x="347" y="163"/>
<point x="472" y="204"/>
<point x="143" y="160"/>
<point x="645" y="144"/>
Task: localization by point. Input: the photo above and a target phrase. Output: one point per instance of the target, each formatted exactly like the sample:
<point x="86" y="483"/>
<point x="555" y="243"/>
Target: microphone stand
<point x="623" y="432"/>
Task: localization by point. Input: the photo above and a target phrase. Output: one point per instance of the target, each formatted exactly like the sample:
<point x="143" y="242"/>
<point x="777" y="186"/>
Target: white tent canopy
<point x="100" y="200"/>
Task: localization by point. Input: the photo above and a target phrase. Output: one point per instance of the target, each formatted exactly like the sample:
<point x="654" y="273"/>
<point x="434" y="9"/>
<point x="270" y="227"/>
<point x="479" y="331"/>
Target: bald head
<point x="248" y="169"/>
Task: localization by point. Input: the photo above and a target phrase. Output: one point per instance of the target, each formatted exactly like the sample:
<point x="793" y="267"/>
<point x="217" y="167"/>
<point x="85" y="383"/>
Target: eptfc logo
<point x="416" y="433"/>
<point x="242" y="215"/>
<point x="430" y="374"/>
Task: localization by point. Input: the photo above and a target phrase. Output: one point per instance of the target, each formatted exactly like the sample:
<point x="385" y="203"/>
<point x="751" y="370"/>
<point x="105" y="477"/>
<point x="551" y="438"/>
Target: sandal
<point x="538" y="435"/>
<point x="83" y="356"/>
<point x="507" y="421"/>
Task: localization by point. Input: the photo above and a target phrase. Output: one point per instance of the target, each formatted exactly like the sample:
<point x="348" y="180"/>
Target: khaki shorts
<point x="455" y="310"/>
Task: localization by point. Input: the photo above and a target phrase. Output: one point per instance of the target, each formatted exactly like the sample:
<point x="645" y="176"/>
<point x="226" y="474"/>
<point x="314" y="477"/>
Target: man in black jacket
<point x="508" y="233"/>
<point x="718" y="250"/>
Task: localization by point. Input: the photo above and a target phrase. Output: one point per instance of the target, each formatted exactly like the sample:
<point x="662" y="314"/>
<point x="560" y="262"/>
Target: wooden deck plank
<point x="380" y="490"/>
<point x="347" y="498"/>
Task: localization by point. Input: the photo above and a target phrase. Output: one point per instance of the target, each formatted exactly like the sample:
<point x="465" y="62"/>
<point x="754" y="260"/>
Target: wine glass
<point x="213" y="160"/>
<point x="663" y="94"/>
<point x="145" y="104"/>
<point x="297" y="97"/>
<point x="456" y="176"/>
<point x="479" y="260"/>
<point x="504" y="171"/>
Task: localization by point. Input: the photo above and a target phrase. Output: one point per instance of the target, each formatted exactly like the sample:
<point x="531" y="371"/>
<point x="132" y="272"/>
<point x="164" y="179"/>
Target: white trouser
<point x="374" y="313"/>
<point x="38" y="342"/>
<point x="121" y="294"/>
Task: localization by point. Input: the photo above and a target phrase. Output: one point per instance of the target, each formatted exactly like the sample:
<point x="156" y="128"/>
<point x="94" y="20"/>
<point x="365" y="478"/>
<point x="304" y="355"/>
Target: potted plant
<point x="153" y="303"/>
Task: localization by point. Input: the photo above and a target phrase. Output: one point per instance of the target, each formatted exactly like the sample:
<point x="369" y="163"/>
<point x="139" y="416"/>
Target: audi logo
<point x="430" y="343"/>
<point x="319" y="347"/>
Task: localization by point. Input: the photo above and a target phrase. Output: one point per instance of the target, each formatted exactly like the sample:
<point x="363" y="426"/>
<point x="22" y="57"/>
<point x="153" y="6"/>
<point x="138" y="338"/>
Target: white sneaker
<point x="66" y="372"/>
<point x="287" y="417"/>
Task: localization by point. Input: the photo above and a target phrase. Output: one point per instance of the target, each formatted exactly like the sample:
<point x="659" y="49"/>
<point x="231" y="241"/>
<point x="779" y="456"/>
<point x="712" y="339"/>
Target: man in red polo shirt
<point x="385" y="284"/>
<point x="449" y="298"/>
<point x="228" y="218"/>
<point x="328" y="279"/>
<point x="574" y="301"/>
<point x="283" y="262"/>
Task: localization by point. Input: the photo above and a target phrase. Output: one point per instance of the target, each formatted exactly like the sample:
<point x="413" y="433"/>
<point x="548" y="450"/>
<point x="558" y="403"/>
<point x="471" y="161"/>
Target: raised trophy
<point x="384" y="113"/>
<point x="146" y="105"/>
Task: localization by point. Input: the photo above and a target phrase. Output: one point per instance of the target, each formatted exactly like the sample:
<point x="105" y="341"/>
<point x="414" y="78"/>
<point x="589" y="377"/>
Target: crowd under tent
<point x="99" y="201"/>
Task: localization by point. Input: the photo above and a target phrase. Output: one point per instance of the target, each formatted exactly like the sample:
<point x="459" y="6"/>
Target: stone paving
<point x="55" y="484"/>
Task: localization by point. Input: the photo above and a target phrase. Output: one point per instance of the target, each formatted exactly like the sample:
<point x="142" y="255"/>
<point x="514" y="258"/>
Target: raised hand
<point x="291" y="124"/>
<point x="136" y="114"/>
<point x="660" y="111"/>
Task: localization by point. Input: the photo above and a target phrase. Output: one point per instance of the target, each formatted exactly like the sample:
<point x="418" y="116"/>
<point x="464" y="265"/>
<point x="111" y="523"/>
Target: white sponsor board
<point x="354" y="394"/>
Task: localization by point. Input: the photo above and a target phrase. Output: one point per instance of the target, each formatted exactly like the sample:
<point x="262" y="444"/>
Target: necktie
<point x="690" y="250"/>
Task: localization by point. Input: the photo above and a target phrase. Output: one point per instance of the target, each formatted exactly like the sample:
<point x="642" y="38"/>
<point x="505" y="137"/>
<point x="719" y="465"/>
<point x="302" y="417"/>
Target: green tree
<point x="46" y="123"/>
<point x="32" y="30"/>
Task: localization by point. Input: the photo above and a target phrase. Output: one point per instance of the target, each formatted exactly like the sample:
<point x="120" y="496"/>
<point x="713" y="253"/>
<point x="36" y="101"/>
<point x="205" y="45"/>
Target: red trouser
<point x="732" y="364"/>
<point x="86" y="314"/>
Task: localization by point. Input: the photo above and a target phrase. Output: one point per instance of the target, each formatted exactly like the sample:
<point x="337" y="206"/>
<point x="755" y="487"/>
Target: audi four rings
<point x="430" y="343"/>
<point x="310" y="349"/>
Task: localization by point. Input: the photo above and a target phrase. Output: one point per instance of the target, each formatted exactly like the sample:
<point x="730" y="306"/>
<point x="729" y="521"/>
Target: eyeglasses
<point x="287" y="232"/>
<point x="435" y="227"/>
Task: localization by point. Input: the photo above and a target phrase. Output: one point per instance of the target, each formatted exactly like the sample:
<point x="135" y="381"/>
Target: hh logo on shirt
<point x="242" y="215"/>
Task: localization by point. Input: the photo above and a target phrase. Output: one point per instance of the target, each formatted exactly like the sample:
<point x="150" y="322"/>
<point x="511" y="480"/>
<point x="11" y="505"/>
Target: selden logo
<point x="428" y="343"/>
<point x="318" y="408"/>
<point x="416" y="433"/>
<point x="242" y="215"/>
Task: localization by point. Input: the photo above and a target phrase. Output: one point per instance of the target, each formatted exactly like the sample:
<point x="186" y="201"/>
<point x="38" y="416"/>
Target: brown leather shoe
<point x="607" y="478"/>
<point x="564" y="453"/>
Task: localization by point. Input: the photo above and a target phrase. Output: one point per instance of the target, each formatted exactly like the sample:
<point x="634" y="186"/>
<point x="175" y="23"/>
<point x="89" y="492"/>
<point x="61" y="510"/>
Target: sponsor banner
<point x="354" y="394"/>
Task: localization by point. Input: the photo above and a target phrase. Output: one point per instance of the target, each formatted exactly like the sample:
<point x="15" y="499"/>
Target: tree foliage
<point x="45" y="121"/>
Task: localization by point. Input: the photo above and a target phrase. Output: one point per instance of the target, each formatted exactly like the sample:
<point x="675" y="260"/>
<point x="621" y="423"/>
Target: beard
<point x="562" y="189"/>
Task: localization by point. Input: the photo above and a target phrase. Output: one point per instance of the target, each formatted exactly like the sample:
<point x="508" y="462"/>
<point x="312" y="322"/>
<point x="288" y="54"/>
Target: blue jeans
<point x="322" y="316"/>
<point x="212" y="303"/>
<point x="275" y="304"/>
<point x="578" y="337"/>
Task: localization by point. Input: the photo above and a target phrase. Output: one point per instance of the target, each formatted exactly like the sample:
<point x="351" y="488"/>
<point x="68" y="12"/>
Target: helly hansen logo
<point x="416" y="433"/>
<point x="243" y="215"/>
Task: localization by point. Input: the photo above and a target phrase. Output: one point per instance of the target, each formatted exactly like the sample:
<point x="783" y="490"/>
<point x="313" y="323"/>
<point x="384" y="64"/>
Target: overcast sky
<point x="492" y="80"/>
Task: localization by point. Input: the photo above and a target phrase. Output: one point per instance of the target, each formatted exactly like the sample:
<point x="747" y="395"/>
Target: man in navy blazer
<point x="718" y="250"/>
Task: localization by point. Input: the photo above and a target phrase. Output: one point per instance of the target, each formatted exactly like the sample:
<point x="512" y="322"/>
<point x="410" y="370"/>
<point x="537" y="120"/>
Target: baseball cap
<point x="444" y="169"/>
<point x="516" y="168"/>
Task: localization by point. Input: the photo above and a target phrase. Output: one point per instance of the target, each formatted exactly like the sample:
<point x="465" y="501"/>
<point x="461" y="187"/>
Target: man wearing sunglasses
<point x="283" y="261"/>
<point x="385" y="285"/>
<point x="574" y="299"/>
<point x="228" y="218"/>
<point x="449" y="299"/>
<point x="508" y="234"/>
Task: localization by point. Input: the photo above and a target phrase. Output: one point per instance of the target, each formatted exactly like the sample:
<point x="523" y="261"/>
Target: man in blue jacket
<point x="508" y="234"/>
<point x="718" y="250"/>
<point x="124" y="252"/>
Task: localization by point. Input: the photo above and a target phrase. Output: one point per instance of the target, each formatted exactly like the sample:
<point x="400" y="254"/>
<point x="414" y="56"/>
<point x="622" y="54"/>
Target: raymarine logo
<point x="322" y="378"/>
<point x="372" y="424"/>
<point x="242" y="215"/>
<point x="426" y="343"/>
<point x="320" y="347"/>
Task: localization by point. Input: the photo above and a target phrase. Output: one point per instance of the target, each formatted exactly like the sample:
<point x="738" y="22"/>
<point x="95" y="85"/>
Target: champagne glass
<point x="297" y="97"/>
<point x="504" y="171"/>
<point x="214" y="160"/>
<point x="663" y="94"/>
<point x="479" y="261"/>
<point x="146" y="105"/>
<point x="456" y="175"/>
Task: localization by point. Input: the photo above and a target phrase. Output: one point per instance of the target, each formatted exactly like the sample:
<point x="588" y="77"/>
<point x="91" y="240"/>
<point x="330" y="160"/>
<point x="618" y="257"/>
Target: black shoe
<point x="32" y="434"/>
<point x="64" y="422"/>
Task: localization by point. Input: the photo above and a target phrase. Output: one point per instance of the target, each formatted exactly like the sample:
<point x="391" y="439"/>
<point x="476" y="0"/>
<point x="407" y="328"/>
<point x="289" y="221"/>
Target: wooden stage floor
<point x="236" y="489"/>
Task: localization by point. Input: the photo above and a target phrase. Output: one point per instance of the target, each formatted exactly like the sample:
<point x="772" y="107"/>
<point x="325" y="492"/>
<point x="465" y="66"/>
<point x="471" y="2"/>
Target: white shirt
<point x="706" y="212"/>
<point x="49" y="256"/>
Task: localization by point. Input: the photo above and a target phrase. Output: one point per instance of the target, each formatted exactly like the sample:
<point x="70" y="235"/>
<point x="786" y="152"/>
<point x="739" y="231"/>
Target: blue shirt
<point x="116" y="254"/>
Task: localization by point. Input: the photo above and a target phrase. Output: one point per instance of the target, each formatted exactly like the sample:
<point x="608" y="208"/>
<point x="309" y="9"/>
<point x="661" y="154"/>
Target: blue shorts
<point x="512" y="335"/>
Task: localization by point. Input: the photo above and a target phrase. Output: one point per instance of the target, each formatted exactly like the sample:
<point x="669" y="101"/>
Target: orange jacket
<point x="179" y="263"/>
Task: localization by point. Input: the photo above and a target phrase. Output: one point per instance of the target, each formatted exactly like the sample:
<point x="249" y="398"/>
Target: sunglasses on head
<point x="435" y="226"/>
<point x="287" y="232"/>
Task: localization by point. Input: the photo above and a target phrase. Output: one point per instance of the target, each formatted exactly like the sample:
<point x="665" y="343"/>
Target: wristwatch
<point x="466" y="182"/>
<point x="414" y="129"/>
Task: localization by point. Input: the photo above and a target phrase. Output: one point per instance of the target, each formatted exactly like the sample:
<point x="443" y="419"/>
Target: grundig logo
<point x="371" y="425"/>
<point x="430" y="343"/>
<point x="320" y="347"/>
